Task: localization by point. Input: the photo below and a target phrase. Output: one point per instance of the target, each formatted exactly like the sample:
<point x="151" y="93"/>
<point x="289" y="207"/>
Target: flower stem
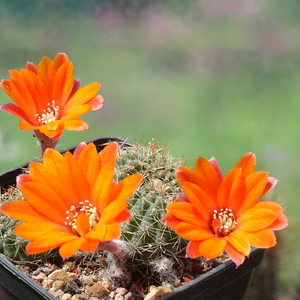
<point x="45" y="141"/>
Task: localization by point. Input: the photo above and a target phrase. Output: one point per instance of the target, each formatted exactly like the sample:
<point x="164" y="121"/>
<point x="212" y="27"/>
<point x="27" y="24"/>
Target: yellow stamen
<point x="50" y="114"/>
<point x="85" y="207"/>
<point x="226" y="222"/>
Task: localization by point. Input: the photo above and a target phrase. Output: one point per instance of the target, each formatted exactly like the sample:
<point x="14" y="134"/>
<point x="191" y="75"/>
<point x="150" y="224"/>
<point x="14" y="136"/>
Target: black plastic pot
<point x="225" y="282"/>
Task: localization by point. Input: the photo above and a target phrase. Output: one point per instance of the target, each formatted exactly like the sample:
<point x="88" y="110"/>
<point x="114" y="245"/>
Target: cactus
<point x="147" y="236"/>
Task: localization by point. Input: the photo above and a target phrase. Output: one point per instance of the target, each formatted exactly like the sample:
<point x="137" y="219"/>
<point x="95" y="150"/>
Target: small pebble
<point x="58" y="275"/>
<point x="36" y="273"/>
<point x="70" y="286"/>
<point x="112" y="294"/>
<point x="121" y="291"/>
<point x="58" y="285"/>
<point x="157" y="291"/>
<point x="40" y="277"/>
<point x="70" y="266"/>
<point x="90" y="280"/>
<point x="72" y="276"/>
<point x="47" y="284"/>
<point x="79" y="297"/>
<point x="119" y="297"/>
<point x="59" y="294"/>
<point x="66" y="297"/>
<point x="52" y="293"/>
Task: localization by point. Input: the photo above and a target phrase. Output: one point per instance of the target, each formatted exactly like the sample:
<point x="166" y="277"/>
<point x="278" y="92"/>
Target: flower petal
<point x="186" y="211"/>
<point x="14" y="110"/>
<point x="69" y="248"/>
<point x="280" y="223"/>
<point x="97" y="102"/>
<point x="20" y="210"/>
<point x="256" y="219"/>
<point x="83" y="95"/>
<point x="184" y="174"/>
<point x="45" y="233"/>
<point x="105" y="232"/>
<point x="275" y="207"/>
<point x="247" y="163"/>
<point x="170" y="220"/>
<point x="76" y="112"/>
<point x="45" y="201"/>
<point x="104" y="181"/>
<point x="57" y="172"/>
<point x="262" y="239"/>
<point x="250" y="192"/>
<point x="270" y="184"/>
<point x="192" y="249"/>
<point x="90" y="163"/>
<point x="123" y="216"/>
<point x="63" y="83"/>
<point x="229" y="187"/>
<point x="240" y="241"/>
<point x="60" y="59"/>
<point x="77" y="152"/>
<point x="212" y="247"/>
<point x="82" y="224"/>
<point x="207" y="177"/>
<point x="216" y="166"/>
<point x="201" y="201"/>
<point x="113" y="210"/>
<point x="90" y="245"/>
<point x="21" y="179"/>
<point x="125" y="188"/>
<point x="237" y="257"/>
<point x="191" y="232"/>
<point x="24" y="125"/>
<point x="119" y="194"/>
<point x="75" y="125"/>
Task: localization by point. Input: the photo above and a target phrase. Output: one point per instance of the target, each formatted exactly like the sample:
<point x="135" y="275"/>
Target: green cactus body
<point x="145" y="233"/>
<point x="11" y="245"/>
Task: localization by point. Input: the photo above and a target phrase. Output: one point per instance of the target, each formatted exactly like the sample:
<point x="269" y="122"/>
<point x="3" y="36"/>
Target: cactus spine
<point x="148" y="237"/>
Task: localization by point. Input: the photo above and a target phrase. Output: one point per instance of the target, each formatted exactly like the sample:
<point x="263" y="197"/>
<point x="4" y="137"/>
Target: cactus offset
<point x="145" y="233"/>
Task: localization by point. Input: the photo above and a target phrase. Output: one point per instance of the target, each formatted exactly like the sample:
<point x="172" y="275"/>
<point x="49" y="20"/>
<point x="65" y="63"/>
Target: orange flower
<point x="72" y="200"/>
<point x="48" y="99"/>
<point x="220" y="214"/>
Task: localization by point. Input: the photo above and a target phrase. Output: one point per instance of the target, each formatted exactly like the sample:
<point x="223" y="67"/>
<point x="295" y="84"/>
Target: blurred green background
<point x="209" y="78"/>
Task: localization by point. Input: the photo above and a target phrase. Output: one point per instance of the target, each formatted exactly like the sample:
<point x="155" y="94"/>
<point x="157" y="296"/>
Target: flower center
<point x="49" y="114"/>
<point x="84" y="207"/>
<point x="223" y="222"/>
